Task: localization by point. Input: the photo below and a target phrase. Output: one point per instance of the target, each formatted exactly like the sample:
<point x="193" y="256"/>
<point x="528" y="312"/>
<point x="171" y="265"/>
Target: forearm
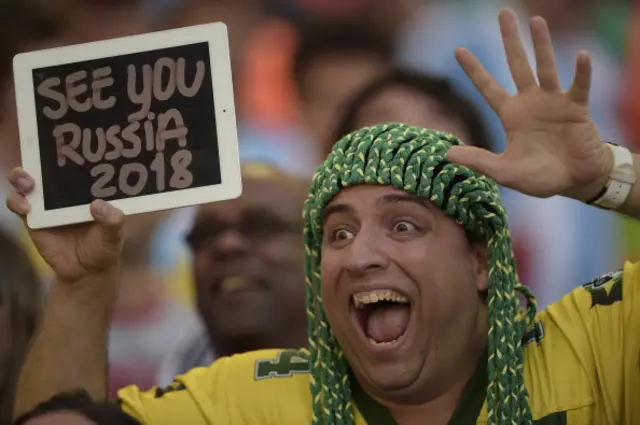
<point x="70" y="349"/>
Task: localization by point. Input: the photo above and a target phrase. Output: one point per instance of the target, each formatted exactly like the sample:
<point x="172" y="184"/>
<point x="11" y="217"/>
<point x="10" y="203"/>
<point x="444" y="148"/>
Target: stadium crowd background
<point x="297" y="64"/>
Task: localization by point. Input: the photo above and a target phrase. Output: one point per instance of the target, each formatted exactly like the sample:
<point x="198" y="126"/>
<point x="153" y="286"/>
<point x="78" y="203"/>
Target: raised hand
<point x="73" y="252"/>
<point x="553" y="146"/>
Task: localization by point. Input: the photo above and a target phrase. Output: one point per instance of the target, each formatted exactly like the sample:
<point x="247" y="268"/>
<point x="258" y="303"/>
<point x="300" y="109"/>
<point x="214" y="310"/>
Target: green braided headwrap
<point x="414" y="160"/>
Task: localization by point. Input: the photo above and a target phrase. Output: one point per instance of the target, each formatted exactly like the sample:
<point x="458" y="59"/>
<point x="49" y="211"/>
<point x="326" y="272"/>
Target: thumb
<point x="479" y="160"/>
<point x="110" y="219"/>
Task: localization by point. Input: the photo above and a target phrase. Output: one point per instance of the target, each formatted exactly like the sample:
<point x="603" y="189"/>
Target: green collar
<point x="466" y="413"/>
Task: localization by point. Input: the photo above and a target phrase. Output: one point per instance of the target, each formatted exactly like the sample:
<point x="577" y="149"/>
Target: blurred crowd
<point x="228" y="277"/>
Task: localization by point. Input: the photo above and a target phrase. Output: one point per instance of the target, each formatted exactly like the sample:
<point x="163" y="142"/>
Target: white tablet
<point x="145" y="122"/>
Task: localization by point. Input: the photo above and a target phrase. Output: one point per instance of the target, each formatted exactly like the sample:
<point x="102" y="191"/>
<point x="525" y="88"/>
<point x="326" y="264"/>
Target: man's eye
<point x="342" y="234"/>
<point x="199" y="237"/>
<point x="404" y="227"/>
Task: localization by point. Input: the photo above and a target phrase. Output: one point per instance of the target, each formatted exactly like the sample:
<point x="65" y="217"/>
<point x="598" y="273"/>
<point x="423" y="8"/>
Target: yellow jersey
<point x="582" y="366"/>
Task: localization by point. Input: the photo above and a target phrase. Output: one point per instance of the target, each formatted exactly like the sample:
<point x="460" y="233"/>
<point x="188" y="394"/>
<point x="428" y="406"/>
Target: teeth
<point x="372" y="297"/>
<point x="374" y="342"/>
<point x="233" y="284"/>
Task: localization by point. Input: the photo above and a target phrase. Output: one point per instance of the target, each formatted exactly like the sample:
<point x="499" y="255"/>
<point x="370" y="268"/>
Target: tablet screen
<point x="126" y="126"/>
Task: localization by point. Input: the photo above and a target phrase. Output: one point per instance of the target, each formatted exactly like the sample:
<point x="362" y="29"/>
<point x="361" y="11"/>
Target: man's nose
<point x="229" y="244"/>
<point x="365" y="254"/>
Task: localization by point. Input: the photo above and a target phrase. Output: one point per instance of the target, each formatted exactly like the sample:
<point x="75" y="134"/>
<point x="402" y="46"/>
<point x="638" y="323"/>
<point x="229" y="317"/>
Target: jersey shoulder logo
<point x="606" y="289"/>
<point x="602" y="279"/>
<point x="173" y="387"/>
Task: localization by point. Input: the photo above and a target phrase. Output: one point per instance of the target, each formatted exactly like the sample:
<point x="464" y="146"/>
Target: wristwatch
<point x="621" y="180"/>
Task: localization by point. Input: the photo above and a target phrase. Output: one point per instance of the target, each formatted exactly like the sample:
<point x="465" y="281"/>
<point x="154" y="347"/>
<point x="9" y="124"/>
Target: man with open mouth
<point x="412" y="292"/>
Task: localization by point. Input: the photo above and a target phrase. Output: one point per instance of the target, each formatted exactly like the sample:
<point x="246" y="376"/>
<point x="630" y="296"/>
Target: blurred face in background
<point x="248" y="263"/>
<point x="401" y="104"/>
<point x="330" y="81"/>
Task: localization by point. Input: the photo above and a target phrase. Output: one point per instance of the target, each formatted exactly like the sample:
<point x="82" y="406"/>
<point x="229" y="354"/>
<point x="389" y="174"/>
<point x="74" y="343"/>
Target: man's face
<point x="400" y="287"/>
<point x="249" y="260"/>
<point x="330" y="82"/>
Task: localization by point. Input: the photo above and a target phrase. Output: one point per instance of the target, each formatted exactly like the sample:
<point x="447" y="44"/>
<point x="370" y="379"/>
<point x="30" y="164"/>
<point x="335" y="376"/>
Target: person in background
<point x="76" y="408"/>
<point x="558" y="249"/>
<point x="402" y="95"/>
<point x="332" y="62"/>
<point x="20" y="309"/>
<point x="248" y="271"/>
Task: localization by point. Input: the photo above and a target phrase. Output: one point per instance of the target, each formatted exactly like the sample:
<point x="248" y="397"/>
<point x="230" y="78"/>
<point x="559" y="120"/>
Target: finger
<point x="21" y="180"/>
<point x="579" y="91"/>
<point x="110" y="219"/>
<point x="545" y="58"/>
<point x="479" y="160"/>
<point x="18" y="204"/>
<point x="489" y="88"/>
<point x="516" y="56"/>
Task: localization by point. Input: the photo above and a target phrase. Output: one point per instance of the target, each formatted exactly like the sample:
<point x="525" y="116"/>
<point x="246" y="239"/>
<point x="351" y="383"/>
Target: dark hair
<point x="452" y="103"/>
<point x="80" y="402"/>
<point x="320" y="39"/>
<point x="20" y="293"/>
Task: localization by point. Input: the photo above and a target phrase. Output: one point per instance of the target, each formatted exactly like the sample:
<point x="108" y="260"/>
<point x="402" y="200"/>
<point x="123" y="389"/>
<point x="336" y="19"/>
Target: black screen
<point x="99" y="121"/>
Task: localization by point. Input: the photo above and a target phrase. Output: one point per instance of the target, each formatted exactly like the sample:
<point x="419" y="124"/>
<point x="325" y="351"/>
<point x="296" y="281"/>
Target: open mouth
<point x="383" y="315"/>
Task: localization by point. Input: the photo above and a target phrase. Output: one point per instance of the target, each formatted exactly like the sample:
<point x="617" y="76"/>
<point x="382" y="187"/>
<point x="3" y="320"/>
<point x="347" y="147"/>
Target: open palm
<point x="553" y="146"/>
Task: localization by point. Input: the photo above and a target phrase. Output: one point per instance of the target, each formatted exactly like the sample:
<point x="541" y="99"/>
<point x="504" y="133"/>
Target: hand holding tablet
<point x="145" y="122"/>
<point x="73" y="252"/>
